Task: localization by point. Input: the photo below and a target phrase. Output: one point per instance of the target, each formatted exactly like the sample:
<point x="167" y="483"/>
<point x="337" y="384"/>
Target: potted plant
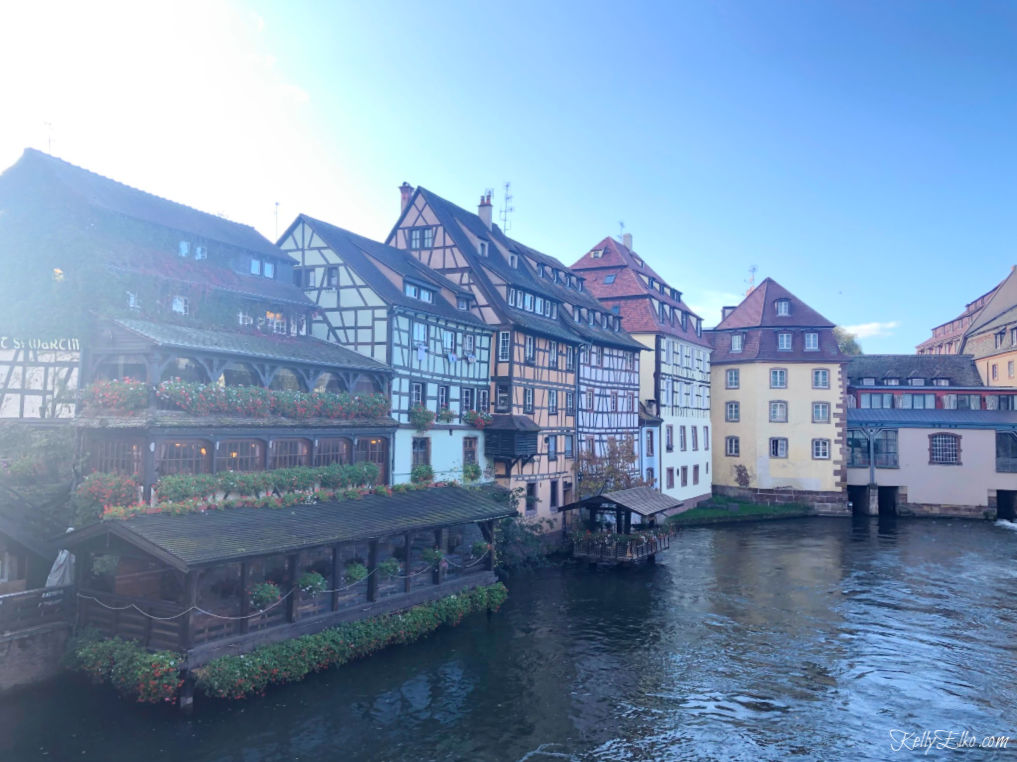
<point x="264" y="594"/>
<point x="436" y="558"/>
<point x="311" y="583"/>
<point x="421" y="417"/>
<point x="422" y="474"/>
<point x="471" y="472"/>
<point x="477" y="419"/>
<point x="355" y="571"/>
<point x="445" y="415"/>
<point x="479" y="548"/>
<point x="388" y="568"/>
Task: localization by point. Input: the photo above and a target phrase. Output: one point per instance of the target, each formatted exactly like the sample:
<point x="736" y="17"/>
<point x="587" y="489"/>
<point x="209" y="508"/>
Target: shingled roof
<point x="198" y="539"/>
<point x="301" y="349"/>
<point x="959" y="369"/>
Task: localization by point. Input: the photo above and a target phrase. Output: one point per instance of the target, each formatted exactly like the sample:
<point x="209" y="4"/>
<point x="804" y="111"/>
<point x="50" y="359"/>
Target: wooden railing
<point x="617" y="549"/>
<point x="155" y="624"/>
<point x="19" y="611"/>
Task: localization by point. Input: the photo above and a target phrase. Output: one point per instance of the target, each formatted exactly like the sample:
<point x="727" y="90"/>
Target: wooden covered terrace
<point x="605" y="534"/>
<point x="226" y="581"/>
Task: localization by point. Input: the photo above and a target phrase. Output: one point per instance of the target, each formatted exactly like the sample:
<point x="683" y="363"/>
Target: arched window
<point x="120" y="367"/>
<point x="333" y="450"/>
<point x="184" y="368"/>
<point x="238" y="374"/>
<point x="290" y="452"/>
<point x="286" y="380"/>
<point x="366" y="385"/>
<point x="117" y="456"/>
<point x="183" y="456"/>
<point x="331" y="383"/>
<point x="240" y="455"/>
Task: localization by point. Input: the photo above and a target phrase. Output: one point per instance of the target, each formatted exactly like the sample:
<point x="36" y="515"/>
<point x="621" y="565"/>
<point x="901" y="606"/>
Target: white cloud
<point x="708" y="304"/>
<point x="871" y="330"/>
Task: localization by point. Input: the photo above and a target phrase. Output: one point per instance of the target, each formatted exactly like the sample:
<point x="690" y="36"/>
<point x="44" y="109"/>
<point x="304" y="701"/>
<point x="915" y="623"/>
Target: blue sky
<point x="862" y="154"/>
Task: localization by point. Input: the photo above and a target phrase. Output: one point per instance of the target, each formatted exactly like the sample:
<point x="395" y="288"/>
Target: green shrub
<point x="422" y="474"/>
<point x="355" y="572"/>
<point x="311" y="582"/>
<point x="129" y="668"/>
<point x="264" y="594"/>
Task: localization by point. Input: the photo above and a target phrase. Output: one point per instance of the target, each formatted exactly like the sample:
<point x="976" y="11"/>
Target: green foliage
<point x="388" y="568"/>
<point x="183" y="486"/>
<point x="258" y="402"/>
<point x="432" y="556"/>
<point x="477" y="419"/>
<point x="355" y="572"/>
<point x="107" y="489"/>
<point x="716" y="510"/>
<point x="615" y="467"/>
<point x="520" y="542"/>
<point x="445" y="415"/>
<point x="124" y="395"/>
<point x="421" y="417"/>
<point x="37" y="469"/>
<point x="311" y="582"/>
<point x="471" y="472"/>
<point x="264" y="594"/>
<point x="847" y="342"/>
<point x="422" y="474"/>
<point x="479" y="548"/>
<point x="236" y="677"/>
<point x="130" y="669"/>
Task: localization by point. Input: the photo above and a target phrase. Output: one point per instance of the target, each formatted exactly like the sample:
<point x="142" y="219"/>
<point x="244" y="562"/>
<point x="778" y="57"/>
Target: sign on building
<point x="38" y="376"/>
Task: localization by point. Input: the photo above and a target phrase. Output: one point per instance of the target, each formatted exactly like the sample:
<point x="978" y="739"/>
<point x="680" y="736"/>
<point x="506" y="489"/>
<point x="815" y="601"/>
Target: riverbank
<point x="721" y="511"/>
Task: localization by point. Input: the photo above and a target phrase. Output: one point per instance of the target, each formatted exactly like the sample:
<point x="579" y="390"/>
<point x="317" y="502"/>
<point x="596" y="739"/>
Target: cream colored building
<point x="777" y="407"/>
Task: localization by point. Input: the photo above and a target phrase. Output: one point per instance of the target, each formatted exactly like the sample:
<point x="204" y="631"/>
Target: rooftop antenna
<point x="752" y="279"/>
<point x="506" y="209"/>
<point x="49" y="136"/>
<point x="621" y="230"/>
<point x="277" y="220"/>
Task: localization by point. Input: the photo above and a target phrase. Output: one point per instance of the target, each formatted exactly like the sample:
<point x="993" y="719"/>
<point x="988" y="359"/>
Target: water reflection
<point x="803" y="639"/>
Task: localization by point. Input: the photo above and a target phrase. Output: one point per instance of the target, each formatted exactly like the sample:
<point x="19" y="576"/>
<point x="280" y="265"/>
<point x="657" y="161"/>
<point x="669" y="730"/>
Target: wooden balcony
<point x="619" y="549"/>
<point x="31" y="608"/>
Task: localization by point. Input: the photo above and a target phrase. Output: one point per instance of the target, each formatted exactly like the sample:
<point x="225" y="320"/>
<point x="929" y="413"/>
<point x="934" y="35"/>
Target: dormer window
<point x="783" y="307"/>
<point x="181" y="305"/>
<point x="737" y="341"/>
<point x="653" y="283"/>
<point x="132" y="301"/>
<point x="868" y="381"/>
<point x="538" y="304"/>
<point x="940" y="382"/>
<point x="200" y="252"/>
<point x="784" y="341"/>
<point x="811" y="341"/>
<point x="916" y="381"/>
<point x="597" y="253"/>
<point x="184" y="249"/>
<point x="462" y="302"/>
<point x="674" y="294"/>
<point x="414" y="291"/>
<point x="482" y="248"/>
<point x="579" y="284"/>
<point x="577" y="314"/>
<point x="637" y="260"/>
<point x="263" y="267"/>
<point x="891" y="382"/>
<point x="514" y="261"/>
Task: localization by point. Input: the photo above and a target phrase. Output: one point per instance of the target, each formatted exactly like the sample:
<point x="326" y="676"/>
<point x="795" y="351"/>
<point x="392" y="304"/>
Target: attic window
<point x="638" y="261"/>
<point x="132" y="301"/>
<point x="422" y="238"/>
<point x="482" y="248"/>
<point x="891" y="382"/>
<point x="736" y="342"/>
<point x="940" y="382"/>
<point x="608" y="279"/>
<point x="868" y="381"/>
<point x="185" y="248"/>
<point x="597" y="253"/>
<point x="783" y="307"/>
<point x="200" y="252"/>
<point x="674" y="294"/>
<point x="463" y="302"/>
<point x="514" y="261"/>
<point x="916" y="381"/>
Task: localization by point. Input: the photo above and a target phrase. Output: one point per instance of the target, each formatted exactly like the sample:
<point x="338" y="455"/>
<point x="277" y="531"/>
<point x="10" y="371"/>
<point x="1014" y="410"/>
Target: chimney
<point x="484" y="210"/>
<point x="725" y="311"/>
<point x="627" y="241"/>
<point x="405" y="190"/>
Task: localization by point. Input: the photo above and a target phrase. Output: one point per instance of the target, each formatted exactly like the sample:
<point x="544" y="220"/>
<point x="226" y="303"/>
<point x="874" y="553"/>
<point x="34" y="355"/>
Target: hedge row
<point x="133" y="671"/>
<point x="236" y="677"/>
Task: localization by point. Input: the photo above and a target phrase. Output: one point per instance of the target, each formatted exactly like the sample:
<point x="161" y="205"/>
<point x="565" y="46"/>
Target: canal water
<point x="802" y="639"/>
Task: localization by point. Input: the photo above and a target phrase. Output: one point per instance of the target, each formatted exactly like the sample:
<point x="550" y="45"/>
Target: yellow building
<point x="777" y="406"/>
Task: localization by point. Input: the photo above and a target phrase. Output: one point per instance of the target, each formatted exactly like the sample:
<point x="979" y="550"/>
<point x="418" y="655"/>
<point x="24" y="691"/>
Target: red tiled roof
<point x="759" y="310"/>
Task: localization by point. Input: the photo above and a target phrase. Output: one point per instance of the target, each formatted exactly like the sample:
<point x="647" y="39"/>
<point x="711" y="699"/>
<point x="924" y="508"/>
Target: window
<point x="608" y="279"/>
<point x="784" y="341"/>
<point x="649" y="442"/>
<point x="421" y="238"/>
<point x="650" y="478"/>
<point x="685" y="476"/>
<point x="916" y="382"/>
<point x="268" y="268"/>
<point x="732" y="377"/>
<point x="669" y="437"/>
<point x="778" y="447"/>
<point x="876" y="401"/>
<point x="695" y="474"/>
<point x="502" y="398"/>
<point x="706" y="437"/>
<point x="504" y="345"/>
<point x="483" y="400"/>
<point x="944" y="449"/>
<point x="682" y="444"/>
<point x="1009" y="369"/>
<point x="530" y="349"/>
<point x="469" y="343"/>
<point x="554" y="493"/>
<point x="820" y="412"/>
<point x="186" y="456"/>
<point x="820" y="449"/>
<point x="416" y="393"/>
<point x="570" y="403"/>
<point x="462" y="303"/>
<point x="201" y="252"/>
<point x="778" y="411"/>
<point x="552" y="354"/>
<point x="420" y="334"/>
<point x="778" y="378"/>
<point x="783" y="307"/>
<point x="289" y="453"/>
<point x="736" y="342"/>
<point x="117" y="456"/>
<point x="240" y="455"/>
<point x="811" y="342"/>
<point x="670" y="478"/>
<point x="732" y="446"/>
<point x="528" y="400"/>
<point x="442" y="396"/>
<point x="467" y="398"/>
<point x="917" y="401"/>
<point x="469" y="451"/>
<point x="552" y="402"/>
<point x="421" y="451"/>
<point x="332" y="278"/>
<point x="552" y="447"/>
<point x="185" y="248"/>
<point x="569" y="445"/>
<point x="531" y="497"/>
<point x="614" y="402"/>
<point x="695" y="438"/>
<point x="181" y="305"/>
<point x="570" y="358"/>
<point x="482" y="247"/>
<point x="333" y="450"/>
<point x="995" y="371"/>
<point x="820" y="378"/>
<point x="732" y="412"/>
<point x="448" y="341"/>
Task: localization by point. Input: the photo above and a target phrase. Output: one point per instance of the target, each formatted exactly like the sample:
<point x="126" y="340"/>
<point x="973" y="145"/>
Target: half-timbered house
<point x="385" y="304"/>
<point x="543" y="317"/>
<point x="185" y="295"/>
<point x="674" y="375"/>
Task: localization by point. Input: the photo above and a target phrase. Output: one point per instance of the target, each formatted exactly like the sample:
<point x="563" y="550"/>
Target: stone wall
<point x="823" y="503"/>
<point x="31" y="656"/>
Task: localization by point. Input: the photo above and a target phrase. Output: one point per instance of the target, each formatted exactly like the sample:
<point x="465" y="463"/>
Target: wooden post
<point x="408" y="545"/>
<point x="335" y="577"/>
<point x="372" y="564"/>
<point x="292" y="603"/>
<point x="190" y="601"/>
<point x="489" y="535"/>
<point x="436" y="574"/>
<point x="245" y="598"/>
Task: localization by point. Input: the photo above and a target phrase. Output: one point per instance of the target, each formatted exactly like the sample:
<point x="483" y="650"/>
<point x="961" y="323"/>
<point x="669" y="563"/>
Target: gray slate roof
<point x="197" y="539"/>
<point x="934" y="419"/>
<point x="302" y="349"/>
<point x="960" y="369"/>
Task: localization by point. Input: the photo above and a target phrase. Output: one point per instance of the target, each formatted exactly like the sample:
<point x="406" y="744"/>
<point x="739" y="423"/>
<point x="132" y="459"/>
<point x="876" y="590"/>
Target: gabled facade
<point x="991" y="336"/>
<point x="166" y="293"/>
<point x="384" y="304"/>
<point x="778" y="402"/>
<point x="555" y="345"/>
<point x="674" y="379"/>
<point x="948" y="338"/>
